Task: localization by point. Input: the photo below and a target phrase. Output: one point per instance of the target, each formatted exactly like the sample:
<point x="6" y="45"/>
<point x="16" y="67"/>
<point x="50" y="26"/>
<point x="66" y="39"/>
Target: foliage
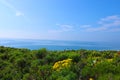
<point x="42" y="64"/>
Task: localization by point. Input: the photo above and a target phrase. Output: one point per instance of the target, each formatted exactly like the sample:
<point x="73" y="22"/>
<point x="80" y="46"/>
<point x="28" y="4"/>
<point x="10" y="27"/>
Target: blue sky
<point x="81" y="20"/>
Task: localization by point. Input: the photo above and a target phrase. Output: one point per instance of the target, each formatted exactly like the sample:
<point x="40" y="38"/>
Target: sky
<point x="78" y="20"/>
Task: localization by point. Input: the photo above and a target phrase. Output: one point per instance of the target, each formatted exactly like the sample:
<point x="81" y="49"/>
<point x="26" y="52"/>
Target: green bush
<point x="25" y="64"/>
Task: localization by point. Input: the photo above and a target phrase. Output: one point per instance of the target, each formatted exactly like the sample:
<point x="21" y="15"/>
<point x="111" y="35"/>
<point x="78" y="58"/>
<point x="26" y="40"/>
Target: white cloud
<point x="66" y="27"/>
<point x="62" y="28"/>
<point x="85" y="26"/>
<point x="114" y="17"/>
<point x="96" y="29"/>
<point x="5" y="2"/>
<point x="18" y="13"/>
<point x="13" y="8"/>
<point x="115" y="30"/>
<point x="109" y="23"/>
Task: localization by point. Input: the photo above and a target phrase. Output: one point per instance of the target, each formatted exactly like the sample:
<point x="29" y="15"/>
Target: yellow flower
<point x="62" y="64"/>
<point x="109" y="60"/>
<point x="91" y="79"/>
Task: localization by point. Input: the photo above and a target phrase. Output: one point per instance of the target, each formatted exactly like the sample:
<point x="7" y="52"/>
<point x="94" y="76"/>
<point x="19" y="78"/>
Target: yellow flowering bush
<point x="109" y="60"/>
<point x="91" y="79"/>
<point x="62" y="64"/>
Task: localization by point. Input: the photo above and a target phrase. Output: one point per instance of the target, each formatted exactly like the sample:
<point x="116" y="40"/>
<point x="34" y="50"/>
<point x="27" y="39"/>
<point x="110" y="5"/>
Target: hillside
<point x="42" y="64"/>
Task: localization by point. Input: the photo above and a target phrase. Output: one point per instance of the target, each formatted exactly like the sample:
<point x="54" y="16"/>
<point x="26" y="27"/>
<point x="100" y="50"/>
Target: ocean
<point x="59" y="45"/>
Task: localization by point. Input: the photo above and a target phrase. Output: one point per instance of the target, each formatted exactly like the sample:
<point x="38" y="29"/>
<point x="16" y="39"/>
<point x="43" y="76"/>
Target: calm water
<point x="59" y="45"/>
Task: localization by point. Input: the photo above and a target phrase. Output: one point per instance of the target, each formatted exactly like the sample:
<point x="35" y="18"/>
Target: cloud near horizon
<point x="62" y="28"/>
<point x="109" y="23"/>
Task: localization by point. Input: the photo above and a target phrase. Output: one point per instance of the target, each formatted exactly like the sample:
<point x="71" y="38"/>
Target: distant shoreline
<point x="59" y="45"/>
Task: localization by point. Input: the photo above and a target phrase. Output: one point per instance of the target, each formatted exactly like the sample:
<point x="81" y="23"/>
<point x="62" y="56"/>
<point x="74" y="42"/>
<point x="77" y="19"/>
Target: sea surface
<point x="59" y="45"/>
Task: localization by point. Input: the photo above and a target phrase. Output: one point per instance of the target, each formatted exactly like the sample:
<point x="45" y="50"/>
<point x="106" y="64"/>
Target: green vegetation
<point x="25" y="64"/>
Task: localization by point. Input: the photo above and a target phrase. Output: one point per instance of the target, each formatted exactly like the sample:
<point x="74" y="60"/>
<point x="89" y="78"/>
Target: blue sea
<point x="59" y="45"/>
